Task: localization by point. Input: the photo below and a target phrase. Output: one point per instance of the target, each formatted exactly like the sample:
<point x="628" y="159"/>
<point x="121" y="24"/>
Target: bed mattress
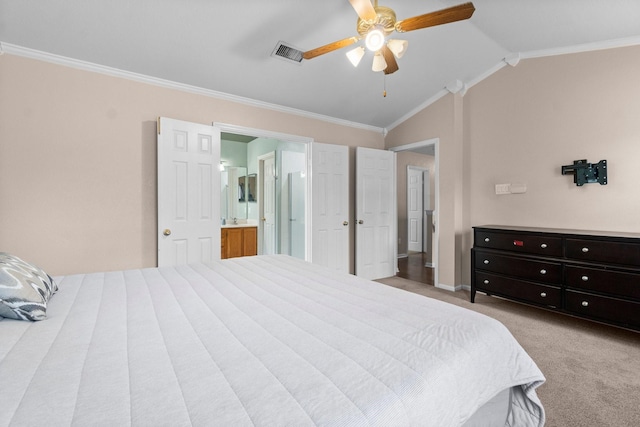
<point x="266" y="341"/>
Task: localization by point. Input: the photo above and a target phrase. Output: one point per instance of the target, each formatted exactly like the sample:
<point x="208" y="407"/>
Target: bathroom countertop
<point x="238" y="225"/>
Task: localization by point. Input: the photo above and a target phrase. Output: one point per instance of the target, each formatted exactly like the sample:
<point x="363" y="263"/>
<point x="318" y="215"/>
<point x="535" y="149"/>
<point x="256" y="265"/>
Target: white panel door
<point x="188" y="192"/>
<point x="269" y="204"/>
<point x="376" y="207"/>
<point x="330" y="206"/>
<point x="415" y="210"/>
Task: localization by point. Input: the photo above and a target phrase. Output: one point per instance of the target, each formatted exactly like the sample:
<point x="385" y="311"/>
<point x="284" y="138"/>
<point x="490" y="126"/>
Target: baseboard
<point x="453" y="288"/>
<point x="403" y="256"/>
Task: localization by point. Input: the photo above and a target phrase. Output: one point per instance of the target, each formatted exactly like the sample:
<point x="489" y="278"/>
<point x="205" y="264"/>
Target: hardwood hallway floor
<point x="412" y="268"/>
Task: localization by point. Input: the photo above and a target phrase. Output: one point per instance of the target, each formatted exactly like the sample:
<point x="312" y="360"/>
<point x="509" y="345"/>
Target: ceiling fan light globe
<point x="355" y="55"/>
<point x="398" y="47"/>
<point x="375" y="39"/>
<point x="379" y="64"/>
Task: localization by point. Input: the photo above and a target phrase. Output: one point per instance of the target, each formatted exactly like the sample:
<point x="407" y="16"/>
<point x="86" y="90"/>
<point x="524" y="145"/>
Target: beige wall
<point x="77" y="155"/>
<point x="521" y="125"/>
<point x="78" y="161"/>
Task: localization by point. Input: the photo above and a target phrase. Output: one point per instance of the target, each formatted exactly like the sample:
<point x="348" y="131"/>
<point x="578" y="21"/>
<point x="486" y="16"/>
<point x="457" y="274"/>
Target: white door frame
<point x="261" y="202"/>
<point x="260" y="133"/>
<point x="435" y="142"/>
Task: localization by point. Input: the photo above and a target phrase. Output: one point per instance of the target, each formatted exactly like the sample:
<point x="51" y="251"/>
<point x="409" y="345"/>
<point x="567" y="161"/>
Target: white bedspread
<point x="267" y="341"/>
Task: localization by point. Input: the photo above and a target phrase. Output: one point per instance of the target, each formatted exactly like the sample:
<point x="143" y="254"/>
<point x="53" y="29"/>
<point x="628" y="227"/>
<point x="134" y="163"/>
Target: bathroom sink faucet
<point x="235" y="220"/>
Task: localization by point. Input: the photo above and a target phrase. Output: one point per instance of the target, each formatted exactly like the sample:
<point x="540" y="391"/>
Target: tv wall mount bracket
<point x="584" y="172"/>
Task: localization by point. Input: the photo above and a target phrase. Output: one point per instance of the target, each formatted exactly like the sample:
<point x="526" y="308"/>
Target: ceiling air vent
<point x="286" y="52"/>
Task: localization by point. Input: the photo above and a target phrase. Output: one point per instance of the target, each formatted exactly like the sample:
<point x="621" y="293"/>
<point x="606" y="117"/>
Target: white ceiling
<point x="225" y="46"/>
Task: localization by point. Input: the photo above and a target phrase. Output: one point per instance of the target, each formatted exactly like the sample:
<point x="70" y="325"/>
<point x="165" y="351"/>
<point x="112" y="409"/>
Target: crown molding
<point x="114" y="72"/>
<point x="513" y="59"/>
<point x="441" y="93"/>
<point x="142" y="78"/>
<point x="585" y="47"/>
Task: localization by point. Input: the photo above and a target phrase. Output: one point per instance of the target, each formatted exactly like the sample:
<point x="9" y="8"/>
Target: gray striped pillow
<point x="24" y="289"/>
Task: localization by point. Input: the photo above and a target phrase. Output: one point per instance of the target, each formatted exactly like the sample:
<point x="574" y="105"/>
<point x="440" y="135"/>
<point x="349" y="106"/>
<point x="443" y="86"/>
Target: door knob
<point x="166" y="232"/>
<point x="345" y="223"/>
<point x="360" y="221"/>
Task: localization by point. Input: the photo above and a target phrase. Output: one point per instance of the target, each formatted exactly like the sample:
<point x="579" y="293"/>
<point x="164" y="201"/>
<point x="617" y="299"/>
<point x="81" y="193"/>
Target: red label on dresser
<point x="518" y="243"/>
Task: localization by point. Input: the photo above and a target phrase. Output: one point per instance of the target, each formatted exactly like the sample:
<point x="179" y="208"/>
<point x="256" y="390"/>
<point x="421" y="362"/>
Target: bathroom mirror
<point x="247" y="188"/>
<point x="233" y="202"/>
<point x="251" y="195"/>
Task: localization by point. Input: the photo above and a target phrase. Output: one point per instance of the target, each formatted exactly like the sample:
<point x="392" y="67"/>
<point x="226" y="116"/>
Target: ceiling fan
<point x="375" y="23"/>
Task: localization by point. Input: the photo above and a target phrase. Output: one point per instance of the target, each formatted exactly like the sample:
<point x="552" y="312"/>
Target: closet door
<point x="376" y="211"/>
<point x="330" y="206"/>
<point x="188" y="192"/>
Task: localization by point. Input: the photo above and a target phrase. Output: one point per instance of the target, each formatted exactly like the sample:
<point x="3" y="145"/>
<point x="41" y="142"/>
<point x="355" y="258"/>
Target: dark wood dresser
<point x="595" y="275"/>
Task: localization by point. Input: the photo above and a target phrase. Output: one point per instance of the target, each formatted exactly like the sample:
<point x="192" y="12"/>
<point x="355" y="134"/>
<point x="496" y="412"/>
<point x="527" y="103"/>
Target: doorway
<point x="417" y="231"/>
<point x="270" y="158"/>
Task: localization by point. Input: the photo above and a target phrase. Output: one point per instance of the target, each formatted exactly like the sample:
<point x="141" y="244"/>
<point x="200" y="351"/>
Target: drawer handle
<point x="585" y="278"/>
<point x="486" y="261"/>
<point x="585" y="250"/>
<point x="543" y="294"/>
<point x="486" y="239"/>
<point x="543" y="246"/>
<point x="585" y="303"/>
<point x="543" y="271"/>
<point x="486" y="282"/>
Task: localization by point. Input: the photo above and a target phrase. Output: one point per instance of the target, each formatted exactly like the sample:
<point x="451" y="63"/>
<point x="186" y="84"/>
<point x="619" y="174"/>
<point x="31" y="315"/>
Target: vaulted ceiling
<point x="226" y="46"/>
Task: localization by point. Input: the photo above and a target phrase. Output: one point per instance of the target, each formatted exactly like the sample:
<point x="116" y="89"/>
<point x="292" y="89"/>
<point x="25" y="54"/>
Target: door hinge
<point x="158" y="126"/>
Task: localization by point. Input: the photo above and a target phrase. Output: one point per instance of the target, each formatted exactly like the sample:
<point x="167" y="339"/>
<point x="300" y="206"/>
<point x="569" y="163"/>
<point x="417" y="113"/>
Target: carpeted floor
<point x="592" y="370"/>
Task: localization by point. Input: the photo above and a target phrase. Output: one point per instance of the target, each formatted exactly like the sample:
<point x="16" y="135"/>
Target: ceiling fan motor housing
<point x="385" y="20"/>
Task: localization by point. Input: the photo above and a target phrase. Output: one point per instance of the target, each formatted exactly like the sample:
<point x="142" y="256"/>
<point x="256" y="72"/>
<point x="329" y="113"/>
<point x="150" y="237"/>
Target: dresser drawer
<point x="603" y="251"/>
<point x="534" y="293"/>
<point x="616" y="283"/>
<point x="523" y="268"/>
<point x="608" y="309"/>
<point x="519" y="242"/>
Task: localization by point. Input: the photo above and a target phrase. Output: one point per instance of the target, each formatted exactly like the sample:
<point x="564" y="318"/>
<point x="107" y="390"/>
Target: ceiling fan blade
<point x="329" y="47"/>
<point x="392" y="64"/>
<point x="444" y="16"/>
<point x="364" y="9"/>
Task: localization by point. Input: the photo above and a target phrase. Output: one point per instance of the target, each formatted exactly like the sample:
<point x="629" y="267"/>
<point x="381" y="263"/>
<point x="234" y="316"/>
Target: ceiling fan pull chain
<point x="384" y="86"/>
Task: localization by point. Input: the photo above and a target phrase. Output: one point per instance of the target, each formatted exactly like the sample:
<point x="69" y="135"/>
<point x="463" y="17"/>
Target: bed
<point x="264" y="341"/>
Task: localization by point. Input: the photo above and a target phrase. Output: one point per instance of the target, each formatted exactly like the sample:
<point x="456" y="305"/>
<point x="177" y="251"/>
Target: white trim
<point x="413" y="145"/>
<point x="442" y="93"/>
<point x="480" y="77"/>
<point x="88" y="66"/>
<point x="142" y="78"/>
<point x="586" y="47"/>
<point x="260" y="133"/>
<point x="448" y="287"/>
